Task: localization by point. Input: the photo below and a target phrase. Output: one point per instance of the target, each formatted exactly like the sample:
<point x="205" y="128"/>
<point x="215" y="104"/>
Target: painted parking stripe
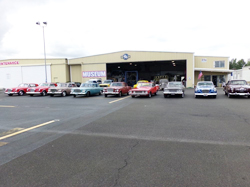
<point x="6" y="106"/>
<point x="28" y="129"/>
<point x="119" y="99"/>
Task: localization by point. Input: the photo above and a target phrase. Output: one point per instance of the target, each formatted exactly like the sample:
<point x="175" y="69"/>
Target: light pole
<point x="43" y="24"/>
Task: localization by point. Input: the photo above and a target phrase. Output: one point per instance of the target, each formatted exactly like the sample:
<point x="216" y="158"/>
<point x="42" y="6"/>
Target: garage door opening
<point x="174" y="70"/>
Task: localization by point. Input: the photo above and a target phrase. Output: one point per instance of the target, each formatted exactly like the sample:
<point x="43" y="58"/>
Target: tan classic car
<point x="62" y="89"/>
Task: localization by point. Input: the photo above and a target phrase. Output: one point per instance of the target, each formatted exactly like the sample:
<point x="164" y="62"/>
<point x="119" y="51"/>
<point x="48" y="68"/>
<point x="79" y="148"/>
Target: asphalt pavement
<point x="125" y="141"/>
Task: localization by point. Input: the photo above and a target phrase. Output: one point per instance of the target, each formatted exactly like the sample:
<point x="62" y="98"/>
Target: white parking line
<point x="118" y="99"/>
<point x="28" y="129"/>
<point x="7" y="106"/>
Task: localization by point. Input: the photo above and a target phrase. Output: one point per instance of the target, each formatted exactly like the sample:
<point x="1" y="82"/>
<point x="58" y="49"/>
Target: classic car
<point x="87" y="89"/>
<point x="140" y="81"/>
<point x="163" y="83"/>
<point x="21" y="89"/>
<point x="144" y="89"/>
<point x="174" y="88"/>
<point x="117" y="88"/>
<point x="42" y="89"/>
<point x="205" y="88"/>
<point x="62" y="89"/>
<point x="106" y="83"/>
<point x="237" y="88"/>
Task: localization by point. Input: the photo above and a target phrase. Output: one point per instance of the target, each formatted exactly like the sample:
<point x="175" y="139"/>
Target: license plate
<point x="205" y="94"/>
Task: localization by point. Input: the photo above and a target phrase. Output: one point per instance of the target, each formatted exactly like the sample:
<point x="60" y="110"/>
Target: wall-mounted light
<point x="173" y="61"/>
<point x="118" y="66"/>
<point x="135" y="64"/>
<point x="130" y="63"/>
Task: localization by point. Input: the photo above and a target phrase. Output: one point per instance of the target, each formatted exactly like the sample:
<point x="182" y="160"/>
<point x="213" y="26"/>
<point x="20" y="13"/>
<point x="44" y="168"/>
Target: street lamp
<point x="43" y="24"/>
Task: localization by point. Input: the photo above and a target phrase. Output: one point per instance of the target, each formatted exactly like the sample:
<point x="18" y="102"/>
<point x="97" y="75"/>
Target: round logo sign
<point x="125" y="56"/>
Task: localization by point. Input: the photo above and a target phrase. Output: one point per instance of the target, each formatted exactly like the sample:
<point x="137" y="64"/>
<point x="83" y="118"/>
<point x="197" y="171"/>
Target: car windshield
<point x="205" y="84"/>
<point x="62" y="85"/>
<point x="163" y="80"/>
<point x="87" y="85"/>
<point x="44" y="84"/>
<point x="23" y="85"/>
<point x="107" y="81"/>
<point x="238" y="82"/>
<point x="144" y="85"/>
<point x="116" y="84"/>
<point x="174" y="84"/>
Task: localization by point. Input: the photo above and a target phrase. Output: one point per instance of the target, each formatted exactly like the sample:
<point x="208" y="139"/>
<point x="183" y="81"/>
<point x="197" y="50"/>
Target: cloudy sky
<point x="78" y="28"/>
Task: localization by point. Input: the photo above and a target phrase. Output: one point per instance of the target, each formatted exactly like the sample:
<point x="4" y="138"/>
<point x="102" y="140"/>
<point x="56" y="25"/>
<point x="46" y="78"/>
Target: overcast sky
<point x="78" y="28"/>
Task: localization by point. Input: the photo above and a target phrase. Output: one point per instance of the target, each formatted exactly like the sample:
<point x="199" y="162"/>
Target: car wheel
<point x="249" y="96"/>
<point x="127" y="93"/>
<point x="74" y="95"/>
<point x="21" y="93"/>
<point x="64" y="94"/>
<point x="10" y="94"/>
<point x="52" y="95"/>
<point x="132" y="96"/>
<point x="88" y="94"/>
<point x="196" y="96"/>
<point x="31" y="95"/>
<point x="149" y="95"/>
<point x="44" y="93"/>
<point x="215" y="96"/>
<point x="105" y="95"/>
<point x="120" y="94"/>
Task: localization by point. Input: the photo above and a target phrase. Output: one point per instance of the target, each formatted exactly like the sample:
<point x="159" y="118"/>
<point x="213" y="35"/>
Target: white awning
<point x="213" y="70"/>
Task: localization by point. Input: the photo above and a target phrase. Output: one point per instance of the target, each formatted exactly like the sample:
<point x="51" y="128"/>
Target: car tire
<point x="64" y="93"/>
<point x="120" y="94"/>
<point x="215" y="96"/>
<point x="132" y="96"/>
<point x="105" y="95"/>
<point x="88" y="94"/>
<point x="31" y="95"/>
<point x="44" y="93"/>
<point x="10" y="94"/>
<point x="21" y="93"/>
<point x="249" y="96"/>
<point x="196" y="96"/>
<point x="149" y="95"/>
<point x="74" y="95"/>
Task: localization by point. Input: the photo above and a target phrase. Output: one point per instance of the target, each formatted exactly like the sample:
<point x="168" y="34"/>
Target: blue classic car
<point x="205" y="88"/>
<point x="87" y="89"/>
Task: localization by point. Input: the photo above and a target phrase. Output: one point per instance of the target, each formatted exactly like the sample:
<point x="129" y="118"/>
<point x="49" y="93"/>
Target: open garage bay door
<point x="12" y="76"/>
<point x="134" y="71"/>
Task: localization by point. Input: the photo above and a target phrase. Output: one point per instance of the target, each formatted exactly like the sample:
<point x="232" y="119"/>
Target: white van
<point x="98" y="80"/>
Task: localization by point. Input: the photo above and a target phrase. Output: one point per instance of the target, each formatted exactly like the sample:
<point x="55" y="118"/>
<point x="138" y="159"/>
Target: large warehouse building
<point x="129" y="66"/>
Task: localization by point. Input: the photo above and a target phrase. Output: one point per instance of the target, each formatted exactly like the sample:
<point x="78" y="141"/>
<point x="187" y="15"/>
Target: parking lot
<point x="124" y="141"/>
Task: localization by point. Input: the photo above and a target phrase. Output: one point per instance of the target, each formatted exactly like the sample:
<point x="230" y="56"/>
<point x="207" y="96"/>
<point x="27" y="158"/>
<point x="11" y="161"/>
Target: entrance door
<point x="131" y="77"/>
<point x="214" y="78"/>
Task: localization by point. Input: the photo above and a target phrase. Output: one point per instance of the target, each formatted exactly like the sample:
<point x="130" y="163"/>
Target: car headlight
<point x="166" y="90"/>
<point x="59" y="90"/>
<point x="215" y="89"/>
<point x="179" y="90"/>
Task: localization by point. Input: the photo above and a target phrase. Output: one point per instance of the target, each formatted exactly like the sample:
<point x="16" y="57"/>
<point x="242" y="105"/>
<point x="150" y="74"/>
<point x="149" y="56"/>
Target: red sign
<point x="9" y="63"/>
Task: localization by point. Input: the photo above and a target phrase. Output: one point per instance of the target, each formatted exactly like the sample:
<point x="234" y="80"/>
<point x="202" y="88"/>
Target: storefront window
<point x="207" y="78"/>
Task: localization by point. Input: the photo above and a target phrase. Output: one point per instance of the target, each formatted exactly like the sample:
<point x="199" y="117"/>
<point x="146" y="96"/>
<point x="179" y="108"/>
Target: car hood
<point x="169" y="88"/>
<point x="142" y="89"/>
<point x="239" y="86"/>
<point x="205" y="87"/>
<point x="115" y="87"/>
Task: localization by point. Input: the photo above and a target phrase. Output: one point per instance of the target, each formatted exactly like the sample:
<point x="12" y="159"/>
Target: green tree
<point x="248" y="63"/>
<point x="236" y="65"/>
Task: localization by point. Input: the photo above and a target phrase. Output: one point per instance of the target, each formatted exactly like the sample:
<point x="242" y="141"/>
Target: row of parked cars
<point x="142" y="88"/>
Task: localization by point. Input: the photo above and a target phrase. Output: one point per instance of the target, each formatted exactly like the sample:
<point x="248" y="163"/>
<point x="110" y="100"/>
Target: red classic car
<point x="116" y="88"/>
<point x="21" y="89"/>
<point x="144" y="89"/>
<point x="237" y="88"/>
<point x="42" y="89"/>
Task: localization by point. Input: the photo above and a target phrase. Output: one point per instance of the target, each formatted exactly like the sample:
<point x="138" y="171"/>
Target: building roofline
<point x="34" y="59"/>
<point x="212" y="56"/>
<point x="131" y="51"/>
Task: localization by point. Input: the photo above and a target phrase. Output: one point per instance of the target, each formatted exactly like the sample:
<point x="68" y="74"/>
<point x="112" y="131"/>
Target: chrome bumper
<point x="240" y="94"/>
<point x="205" y="94"/>
<point x="34" y="93"/>
<point x="172" y="93"/>
<point x="111" y="93"/>
<point x="54" y="93"/>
